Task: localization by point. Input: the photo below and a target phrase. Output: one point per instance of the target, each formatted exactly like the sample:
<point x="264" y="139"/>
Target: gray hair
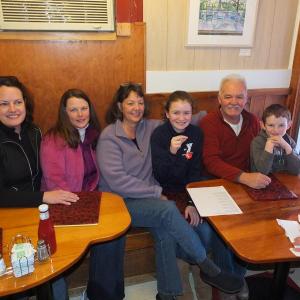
<point x="232" y="77"/>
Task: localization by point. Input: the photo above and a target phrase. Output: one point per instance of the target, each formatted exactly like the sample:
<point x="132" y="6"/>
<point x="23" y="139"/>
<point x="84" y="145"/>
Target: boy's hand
<point x="277" y="141"/>
<point x="176" y="143"/>
<point x="270" y="144"/>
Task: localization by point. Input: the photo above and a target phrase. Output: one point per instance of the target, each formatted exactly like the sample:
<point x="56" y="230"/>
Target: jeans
<point x="106" y="275"/>
<point x="59" y="289"/>
<point x="174" y="236"/>
<point x="58" y="286"/>
<point x="222" y="256"/>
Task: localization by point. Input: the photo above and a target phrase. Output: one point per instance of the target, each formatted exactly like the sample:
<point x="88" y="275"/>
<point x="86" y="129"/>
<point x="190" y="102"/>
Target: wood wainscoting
<point x="258" y="100"/>
<point x="49" y="67"/>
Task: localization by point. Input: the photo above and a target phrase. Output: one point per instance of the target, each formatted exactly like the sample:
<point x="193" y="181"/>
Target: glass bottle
<point x="2" y="265"/>
<point x="46" y="229"/>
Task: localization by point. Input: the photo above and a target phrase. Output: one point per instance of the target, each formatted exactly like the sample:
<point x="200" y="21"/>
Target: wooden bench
<point x="139" y="242"/>
<point x="139" y="255"/>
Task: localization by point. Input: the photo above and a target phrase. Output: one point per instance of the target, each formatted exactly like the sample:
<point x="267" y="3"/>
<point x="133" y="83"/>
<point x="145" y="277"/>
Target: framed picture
<point x="221" y="23"/>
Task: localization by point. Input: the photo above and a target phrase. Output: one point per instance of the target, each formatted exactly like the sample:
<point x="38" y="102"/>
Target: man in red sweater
<point x="228" y="133"/>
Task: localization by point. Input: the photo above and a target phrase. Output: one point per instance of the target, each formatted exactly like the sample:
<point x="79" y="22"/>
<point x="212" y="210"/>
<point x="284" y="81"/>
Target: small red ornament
<point x="189" y="155"/>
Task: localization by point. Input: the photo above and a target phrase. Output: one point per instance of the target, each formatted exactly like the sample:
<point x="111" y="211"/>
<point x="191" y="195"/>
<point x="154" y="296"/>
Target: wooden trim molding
<point x="58" y="36"/>
<point x="293" y="102"/>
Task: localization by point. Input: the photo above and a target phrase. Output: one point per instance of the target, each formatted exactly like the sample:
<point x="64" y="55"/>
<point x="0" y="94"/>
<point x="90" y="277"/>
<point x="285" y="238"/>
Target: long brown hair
<point x="63" y="126"/>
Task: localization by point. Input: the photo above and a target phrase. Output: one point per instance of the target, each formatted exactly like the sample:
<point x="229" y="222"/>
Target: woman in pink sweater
<point x="68" y="162"/>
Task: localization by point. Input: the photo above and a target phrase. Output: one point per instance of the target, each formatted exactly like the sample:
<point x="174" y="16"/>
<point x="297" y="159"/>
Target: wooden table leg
<point x="279" y="281"/>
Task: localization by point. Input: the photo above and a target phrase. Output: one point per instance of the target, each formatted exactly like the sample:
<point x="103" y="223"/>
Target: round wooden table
<point x="72" y="241"/>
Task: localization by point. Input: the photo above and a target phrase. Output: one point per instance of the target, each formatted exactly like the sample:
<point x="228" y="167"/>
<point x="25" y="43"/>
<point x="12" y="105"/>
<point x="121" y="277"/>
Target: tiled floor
<point x="144" y="287"/>
<point x="136" y="288"/>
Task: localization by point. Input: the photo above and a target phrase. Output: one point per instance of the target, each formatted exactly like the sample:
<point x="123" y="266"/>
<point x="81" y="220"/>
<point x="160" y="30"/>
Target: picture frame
<point x="221" y="23"/>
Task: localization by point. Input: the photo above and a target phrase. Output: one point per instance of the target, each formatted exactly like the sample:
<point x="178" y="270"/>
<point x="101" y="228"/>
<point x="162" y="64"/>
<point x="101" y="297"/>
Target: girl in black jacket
<point x="176" y="149"/>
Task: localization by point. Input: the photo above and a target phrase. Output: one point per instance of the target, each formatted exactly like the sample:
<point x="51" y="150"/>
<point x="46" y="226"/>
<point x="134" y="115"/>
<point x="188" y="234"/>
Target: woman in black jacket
<point x="20" y="172"/>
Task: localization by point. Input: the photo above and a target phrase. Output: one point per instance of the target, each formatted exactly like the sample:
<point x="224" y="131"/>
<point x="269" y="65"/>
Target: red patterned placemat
<point x="84" y="212"/>
<point x="274" y="191"/>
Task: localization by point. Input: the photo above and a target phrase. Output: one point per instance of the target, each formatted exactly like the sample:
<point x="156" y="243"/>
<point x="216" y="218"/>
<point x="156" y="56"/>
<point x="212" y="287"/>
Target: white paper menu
<point x="213" y="201"/>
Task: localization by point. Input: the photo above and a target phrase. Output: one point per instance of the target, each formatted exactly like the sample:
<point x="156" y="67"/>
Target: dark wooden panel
<point x="258" y="100"/>
<point x="48" y="68"/>
<point x="294" y="98"/>
<point x="257" y="105"/>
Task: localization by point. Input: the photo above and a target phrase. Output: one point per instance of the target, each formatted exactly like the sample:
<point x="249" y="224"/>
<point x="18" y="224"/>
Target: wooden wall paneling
<point x="257" y="104"/>
<point x="230" y="59"/>
<point x="57" y="36"/>
<point x="263" y="31"/>
<point x="156" y="18"/>
<point x="275" y="100"/>
<point x="293" y="102"/>
<point x="48" y="68"/>
<point x="208" y="101"/>
<point x="207" y="58"/>
<point x="179" y="57"/>
<point x="283" y="28"/>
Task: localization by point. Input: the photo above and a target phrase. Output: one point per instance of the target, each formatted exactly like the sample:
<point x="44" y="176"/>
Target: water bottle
<point x="46" y="229"/>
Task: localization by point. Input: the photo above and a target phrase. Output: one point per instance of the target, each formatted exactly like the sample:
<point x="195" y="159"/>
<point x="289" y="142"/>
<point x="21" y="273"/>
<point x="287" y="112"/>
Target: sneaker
<point x="84" y="295"/>
<point x="225" y="282"/>
<point x="165" y="297"/>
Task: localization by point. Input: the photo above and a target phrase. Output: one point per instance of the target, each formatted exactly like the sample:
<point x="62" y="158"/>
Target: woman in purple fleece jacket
<point x="69" y="162"/>
<point x="124" y="156"/>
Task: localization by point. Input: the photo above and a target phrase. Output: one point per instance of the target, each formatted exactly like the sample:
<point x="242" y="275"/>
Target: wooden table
<point x="72" y="241"/>
<point x="255" y="236"/>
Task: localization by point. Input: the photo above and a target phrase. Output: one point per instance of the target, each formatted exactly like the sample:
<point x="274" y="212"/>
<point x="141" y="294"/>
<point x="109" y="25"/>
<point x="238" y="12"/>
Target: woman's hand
<point x="176" y="143"/>
<point x="163" y="197"/>
<point x="192" y="213"/>
<point x="59" y="197"/>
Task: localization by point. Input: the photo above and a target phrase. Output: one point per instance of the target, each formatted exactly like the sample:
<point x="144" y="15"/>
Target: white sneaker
<point x="84" y="295"/>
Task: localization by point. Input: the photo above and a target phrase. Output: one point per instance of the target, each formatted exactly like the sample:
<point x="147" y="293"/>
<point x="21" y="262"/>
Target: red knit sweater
<point x="226" y="155"/>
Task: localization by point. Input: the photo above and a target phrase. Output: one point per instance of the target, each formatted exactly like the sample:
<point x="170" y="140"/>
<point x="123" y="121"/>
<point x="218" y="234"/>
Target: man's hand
<point x="277" y="141"/>
<point x="254" y="180"/>
<point x="176" y="143"/>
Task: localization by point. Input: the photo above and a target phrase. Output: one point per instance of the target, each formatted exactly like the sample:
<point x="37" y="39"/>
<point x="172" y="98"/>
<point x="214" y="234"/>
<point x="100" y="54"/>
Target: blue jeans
<point x="222" y="256"/>
<point x="106" y="276"/>
<point x="174" y="236"/>
<point x="59" y="289"/>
